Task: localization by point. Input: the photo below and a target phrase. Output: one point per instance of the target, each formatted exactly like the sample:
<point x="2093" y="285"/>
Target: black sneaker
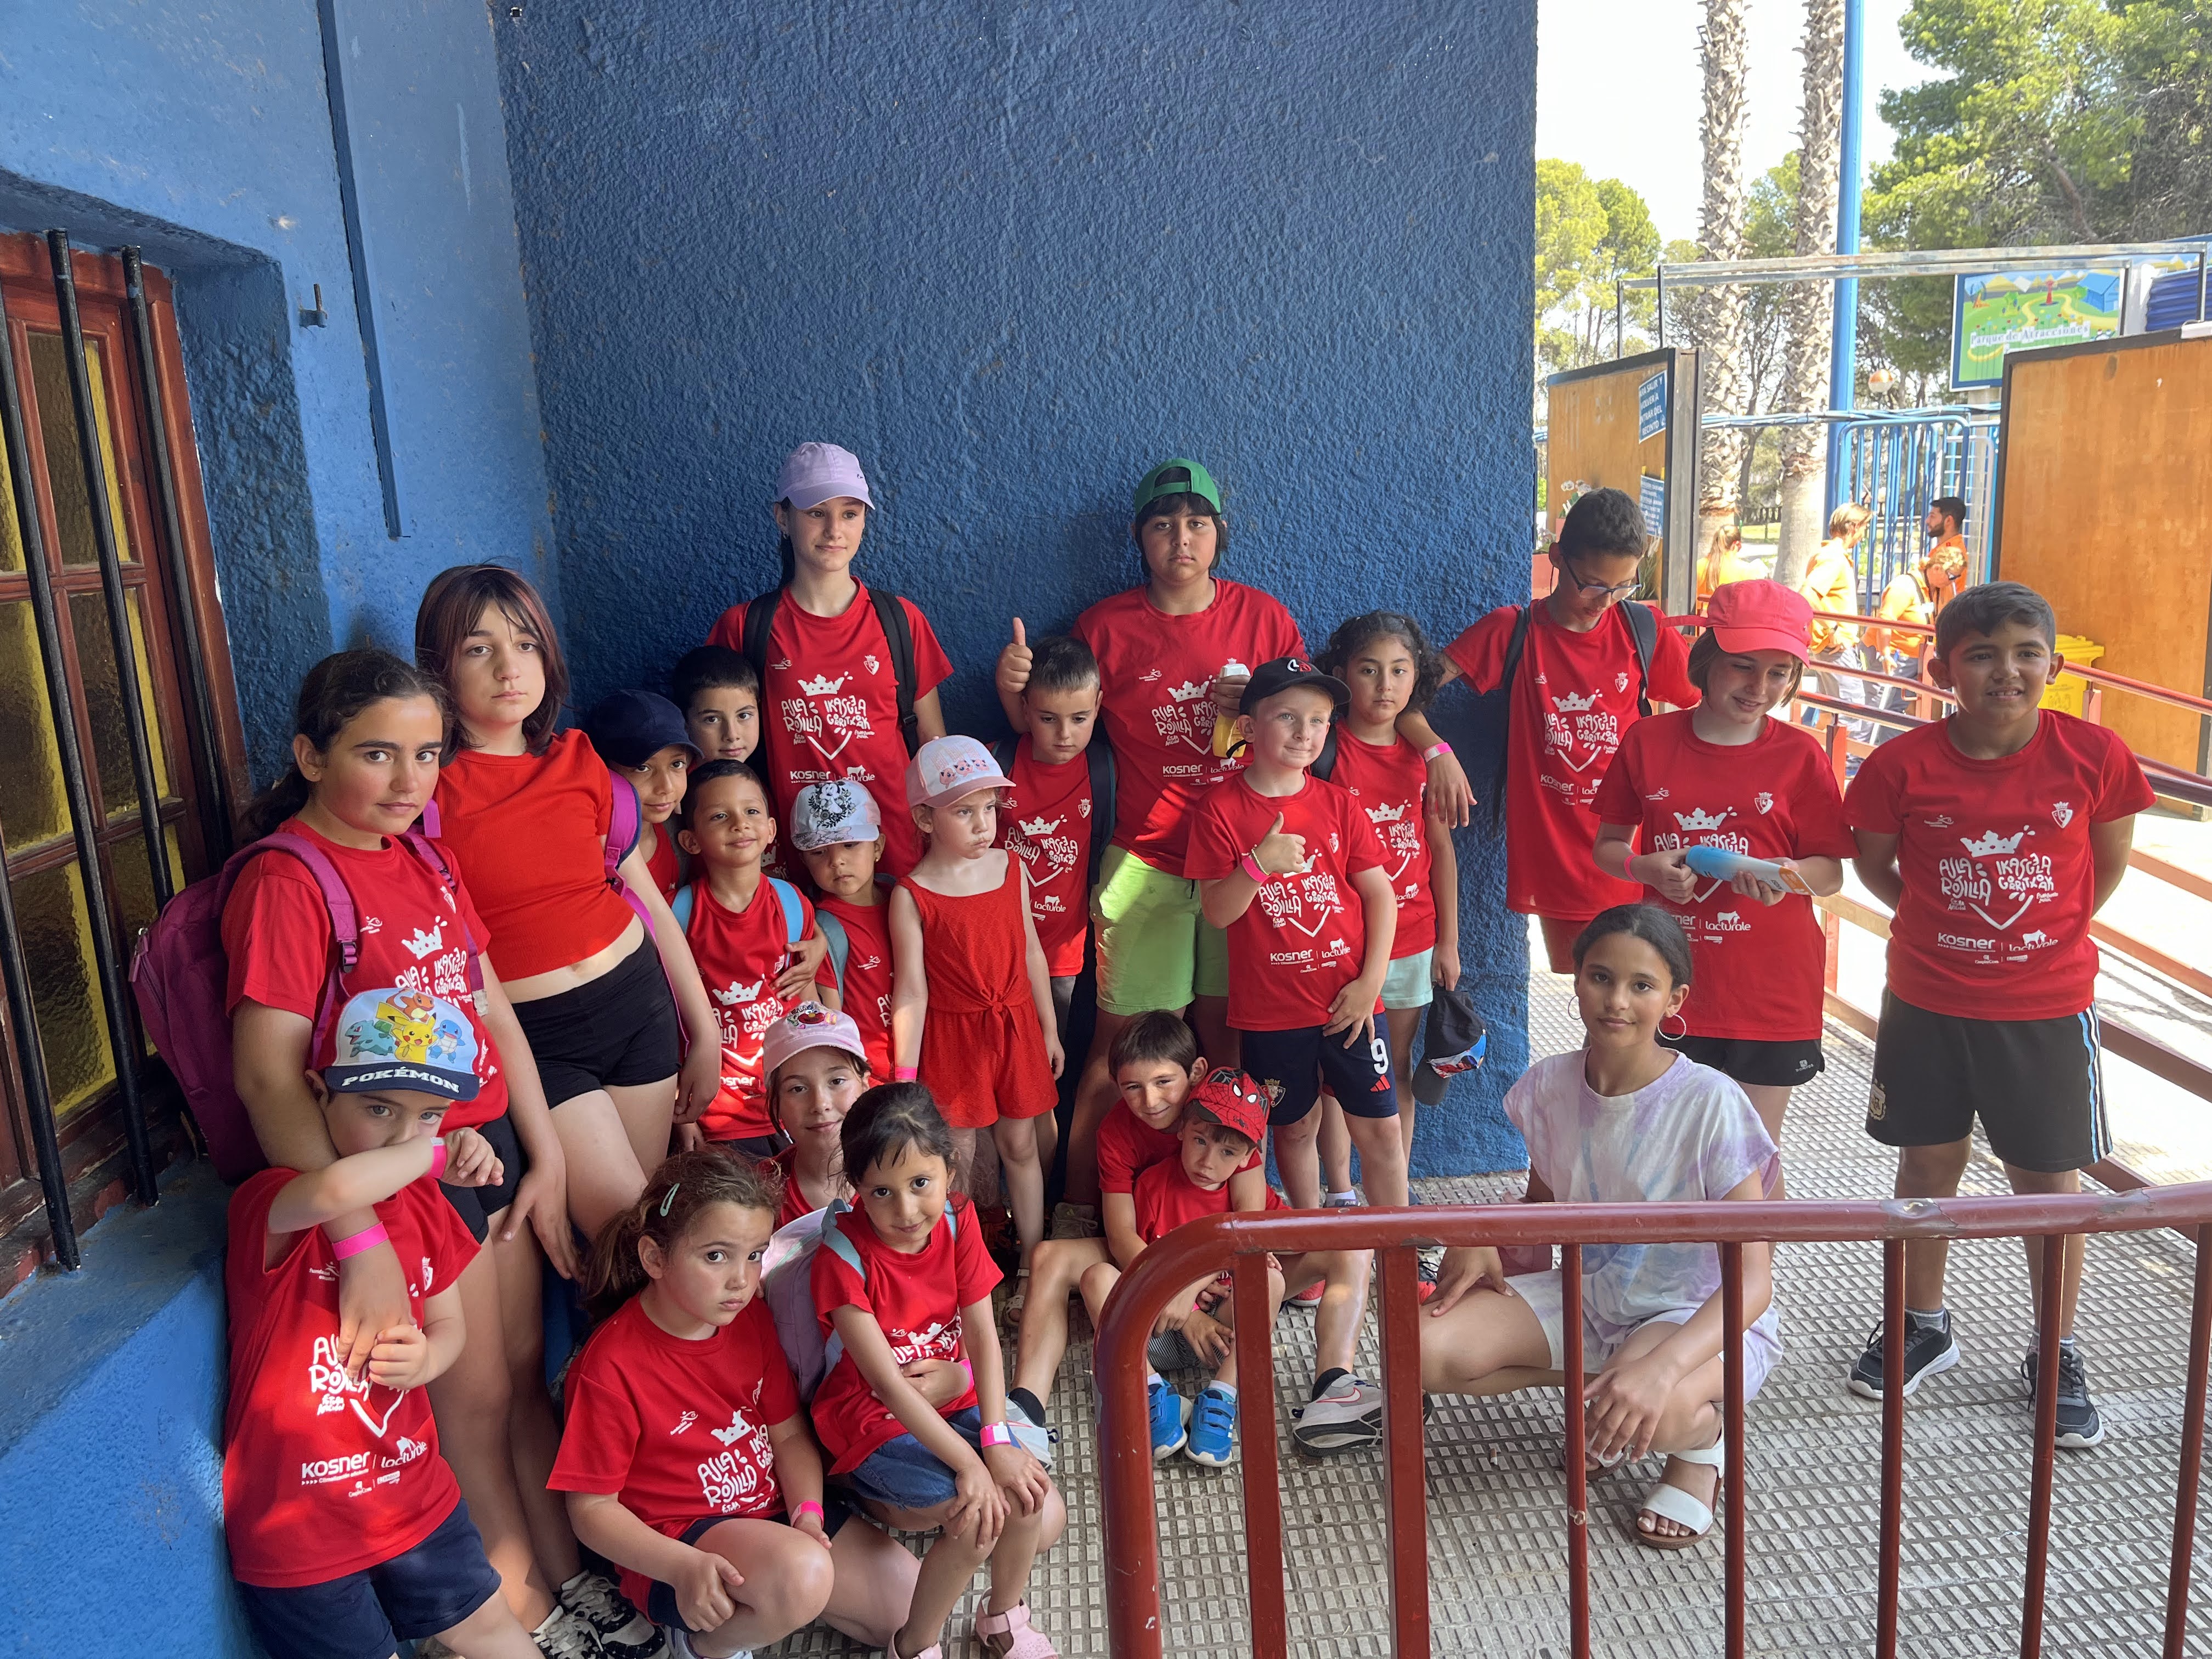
<point x="2079" y="1425"/>
<point x="1928" y="1351"/>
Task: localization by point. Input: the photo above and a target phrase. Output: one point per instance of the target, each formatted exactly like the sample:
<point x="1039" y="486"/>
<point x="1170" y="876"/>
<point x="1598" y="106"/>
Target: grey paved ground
<point x="1497" y="1495"/>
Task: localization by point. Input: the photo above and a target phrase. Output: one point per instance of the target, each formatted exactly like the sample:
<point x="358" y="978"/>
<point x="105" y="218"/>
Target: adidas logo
<point x="1990" y="844"/>
<point x="1190" y="692"/>
<point x="822" y="687"/>
<point x="1697" y="818"/>
<point x="1568" y="703"/>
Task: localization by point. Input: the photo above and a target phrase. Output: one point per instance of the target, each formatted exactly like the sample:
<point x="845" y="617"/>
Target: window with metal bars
<point x="119" y="748"/>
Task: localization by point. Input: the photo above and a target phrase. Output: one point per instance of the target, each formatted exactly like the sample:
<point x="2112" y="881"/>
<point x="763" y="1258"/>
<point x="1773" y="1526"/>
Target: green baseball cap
<point x="1176" y="477"/>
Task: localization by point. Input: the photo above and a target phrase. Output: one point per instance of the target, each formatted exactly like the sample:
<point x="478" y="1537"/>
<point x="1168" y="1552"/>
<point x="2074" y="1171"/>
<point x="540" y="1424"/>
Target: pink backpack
<point x="179" y="975"/>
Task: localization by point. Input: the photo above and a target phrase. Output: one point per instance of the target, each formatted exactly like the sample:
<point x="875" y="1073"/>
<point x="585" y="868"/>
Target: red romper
<point x="983" y="1049"/>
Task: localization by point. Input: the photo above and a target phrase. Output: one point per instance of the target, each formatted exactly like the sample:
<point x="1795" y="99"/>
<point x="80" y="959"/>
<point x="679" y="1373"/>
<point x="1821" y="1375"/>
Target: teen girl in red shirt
<point x="1725" y="774"/>
<point x="367" y="732"/>
<point x="686" y="1459"/>
<point x="1173" y="656"/>
<point x="829" y="695"/>
<point x="528" y="811"/>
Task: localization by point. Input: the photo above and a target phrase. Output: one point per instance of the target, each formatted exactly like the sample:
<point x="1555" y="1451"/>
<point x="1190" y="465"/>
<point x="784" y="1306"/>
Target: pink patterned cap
<point x="951" y="769"/>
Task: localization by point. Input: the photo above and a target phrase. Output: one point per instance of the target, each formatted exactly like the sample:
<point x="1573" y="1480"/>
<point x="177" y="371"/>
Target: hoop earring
<point x="1676" y="1035"/>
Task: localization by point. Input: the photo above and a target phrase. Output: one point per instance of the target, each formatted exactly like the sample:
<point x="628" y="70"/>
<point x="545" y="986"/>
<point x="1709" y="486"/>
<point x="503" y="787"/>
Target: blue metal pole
<point x="1843" y="351"/>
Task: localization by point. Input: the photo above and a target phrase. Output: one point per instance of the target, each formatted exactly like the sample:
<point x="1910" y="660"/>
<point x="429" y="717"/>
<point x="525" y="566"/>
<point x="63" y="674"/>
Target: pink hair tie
<point x="367" y="1239"/>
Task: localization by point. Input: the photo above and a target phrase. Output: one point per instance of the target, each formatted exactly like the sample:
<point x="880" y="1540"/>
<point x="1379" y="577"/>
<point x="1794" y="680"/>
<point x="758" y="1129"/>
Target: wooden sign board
<point x="1631" y="424"/>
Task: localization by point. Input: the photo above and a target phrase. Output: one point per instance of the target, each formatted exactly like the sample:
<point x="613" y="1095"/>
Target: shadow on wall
<point x="237" y="337"/>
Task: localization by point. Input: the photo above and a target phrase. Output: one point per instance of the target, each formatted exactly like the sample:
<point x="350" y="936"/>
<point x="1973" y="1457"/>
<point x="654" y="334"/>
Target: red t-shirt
<point x="276" y="938"/>
<point x="1156" y="677"/>
<point x="1573" y="696"/>
<point x="321" y="1476"/>
<point x="916" y="1299"/>
<point x="532" y="831"/>
<point x="1127" y="1146"/>
<point x="741" y="954"/>
<point x="1049" y="831"/>
<point x="1303" y="937"/>
<point x="662" y="862"/>
<point x="1994" y="923"/>
<point x="1758" y="966"/>
<point x="794" y="1207"/>
<point x="677" y="1430"/>
<point x="1390" y="782"/>
<point x="866" y="988"/>
<point x="1166" y="1198"/>
<point x="829" y="706"/>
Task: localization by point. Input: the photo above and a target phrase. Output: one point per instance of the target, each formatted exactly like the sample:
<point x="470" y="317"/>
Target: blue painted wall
<point x="204" y="133"/>
<point x="1012" y="255"/>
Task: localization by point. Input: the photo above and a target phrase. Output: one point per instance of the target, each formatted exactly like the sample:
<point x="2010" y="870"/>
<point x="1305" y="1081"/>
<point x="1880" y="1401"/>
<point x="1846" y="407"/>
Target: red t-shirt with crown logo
<point x="741" y="954"/>
<point x="1050" y="829"/>
<point x="1390" y="782"/>
<point x="866" y="987"/>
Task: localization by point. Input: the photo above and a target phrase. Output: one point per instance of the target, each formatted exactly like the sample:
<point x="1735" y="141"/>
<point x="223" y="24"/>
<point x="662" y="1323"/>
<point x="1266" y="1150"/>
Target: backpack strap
<point x="840" y="943"/>
<point x="1516" y="646"/>
<point x="834" y="1240"/>
<point x="760" y="617"/>
<point x="898" y="634"/>
<point x="1003" y="752"/>
<point x="427" y="850"/>
<point x="794" y="910"/>
<point x="1100" y="756"/>
<point x="1643" y="632"/>
<point x="681" y="908"/>
<point x="1325" y="762"/>
<point x="430" y="817"/>
<point x="624" y="822"/>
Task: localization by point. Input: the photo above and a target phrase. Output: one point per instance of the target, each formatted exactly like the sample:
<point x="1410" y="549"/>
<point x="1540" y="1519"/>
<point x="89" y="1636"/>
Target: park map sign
<point x="2016" y="310"/>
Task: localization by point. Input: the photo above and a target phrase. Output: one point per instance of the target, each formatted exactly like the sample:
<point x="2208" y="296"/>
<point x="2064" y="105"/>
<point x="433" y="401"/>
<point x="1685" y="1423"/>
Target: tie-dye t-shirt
<point x="1691" y="1135"/>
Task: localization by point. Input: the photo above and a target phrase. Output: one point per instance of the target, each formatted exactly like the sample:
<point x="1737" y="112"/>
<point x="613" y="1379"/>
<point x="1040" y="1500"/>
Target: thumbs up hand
<point x="1012" y="678"/>
<point x="1279" y="853"/>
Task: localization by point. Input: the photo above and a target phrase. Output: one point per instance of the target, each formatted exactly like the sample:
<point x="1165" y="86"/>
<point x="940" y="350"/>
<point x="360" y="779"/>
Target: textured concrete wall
<point x="204" y="135"/>
<point x="1012" y="254"/>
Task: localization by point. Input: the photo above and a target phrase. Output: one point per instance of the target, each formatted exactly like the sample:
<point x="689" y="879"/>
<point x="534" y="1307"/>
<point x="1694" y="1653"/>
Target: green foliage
<point x="1589" y="232"/>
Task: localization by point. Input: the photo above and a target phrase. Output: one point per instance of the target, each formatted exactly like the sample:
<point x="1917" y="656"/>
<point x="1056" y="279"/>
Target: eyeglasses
<point x="1600" y="590"/>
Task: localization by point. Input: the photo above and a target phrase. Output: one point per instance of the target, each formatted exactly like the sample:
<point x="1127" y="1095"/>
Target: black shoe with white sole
<point x="2079" y="1426"/>
<point x="1928" y="1352"/>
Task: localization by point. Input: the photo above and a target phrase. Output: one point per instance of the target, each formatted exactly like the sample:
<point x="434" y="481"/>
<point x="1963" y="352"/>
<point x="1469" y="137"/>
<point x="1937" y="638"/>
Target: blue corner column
<point x="1843" y="351"/>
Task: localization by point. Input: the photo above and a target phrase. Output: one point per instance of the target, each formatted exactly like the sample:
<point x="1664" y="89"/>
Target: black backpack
<point x="1100" y="757"/>
<point x="898" y="636"/>
<point x="1491" y="727"/>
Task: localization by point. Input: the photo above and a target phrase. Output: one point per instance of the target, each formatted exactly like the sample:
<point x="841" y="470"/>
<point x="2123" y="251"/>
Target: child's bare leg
<point x="1024" y="1538"/>
<point x="1218" y="1040"/>
<point x="1485" y="1343"/>
<point x="1334" y="1143"/>
<point x="1928" y="1172"/>
<point x="1056" y="1269"/>
<point x="1022" y="1176"/>
<point x="946" y="1568"/>
<point x="1770" y="1101"/>
<point x="1096" y="1283"/>
<point x="1690" y="1422"/>
<point x="2069" y="1275"/>
<point x="1382" y="1145"/>
<point x="1559" y="943"/>
<point x="491" y="1632"/>
<point x="788" y="1580"/>
<point x="1226" y="1314"/>
<point x="1405" y="1024"/>
<point x="874" y="1576"/>
<point x="963" y="1163"/>
<point x="1296" y="1158"/>
<point x="1344" y="1275"/>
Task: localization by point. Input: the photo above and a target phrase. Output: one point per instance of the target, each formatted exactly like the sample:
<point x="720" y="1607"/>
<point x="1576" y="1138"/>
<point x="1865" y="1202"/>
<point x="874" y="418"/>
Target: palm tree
<point x="1718" y="314"/>
<point x="1810" y="306"/>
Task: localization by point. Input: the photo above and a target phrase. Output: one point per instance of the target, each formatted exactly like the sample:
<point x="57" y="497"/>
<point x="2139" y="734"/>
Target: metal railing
<point x="1242" y="1239"/>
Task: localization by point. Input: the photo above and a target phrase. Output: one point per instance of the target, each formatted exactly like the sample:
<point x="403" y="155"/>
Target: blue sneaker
<point x="1170" y="1412"/>
<point x="1212" y="1439"/>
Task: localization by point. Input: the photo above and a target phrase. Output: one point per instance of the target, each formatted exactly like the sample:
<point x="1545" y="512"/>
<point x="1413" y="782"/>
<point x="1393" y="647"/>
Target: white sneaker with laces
<point x="565" y="1636"/>
<point x="1345" y="1419"/>
<point x="623" y="1632"/>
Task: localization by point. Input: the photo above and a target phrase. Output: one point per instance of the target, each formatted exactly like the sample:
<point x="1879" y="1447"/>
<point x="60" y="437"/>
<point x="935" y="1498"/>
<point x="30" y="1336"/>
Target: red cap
<point x="1760" y="615"/>
<point x="1233" y="1099"/>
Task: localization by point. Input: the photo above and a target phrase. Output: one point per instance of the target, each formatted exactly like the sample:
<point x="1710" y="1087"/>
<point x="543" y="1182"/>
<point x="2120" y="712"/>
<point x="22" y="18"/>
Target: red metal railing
<point x="1243" y="1241"/>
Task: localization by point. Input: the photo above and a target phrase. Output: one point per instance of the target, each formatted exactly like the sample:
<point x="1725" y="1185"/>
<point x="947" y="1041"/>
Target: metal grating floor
<point x="1497" y="1497"/>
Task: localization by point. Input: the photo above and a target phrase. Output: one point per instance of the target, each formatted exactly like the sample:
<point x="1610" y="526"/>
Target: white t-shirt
<point x="1691" y="1135"/>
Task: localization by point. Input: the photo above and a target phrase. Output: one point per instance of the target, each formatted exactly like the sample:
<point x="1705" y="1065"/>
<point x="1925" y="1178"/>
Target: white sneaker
<point x="623" y="1632"/>
<point x="565" y="1636"/>
<point x="1031" y="1436"/>
<point x="1346" y="1418"/>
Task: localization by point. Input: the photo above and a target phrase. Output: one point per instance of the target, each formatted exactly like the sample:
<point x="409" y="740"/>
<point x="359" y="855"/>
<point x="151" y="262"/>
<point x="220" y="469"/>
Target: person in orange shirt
<point x="1831" y="582"/>
<point x="1915" y="594"/>
<point x="1725" y="562"/>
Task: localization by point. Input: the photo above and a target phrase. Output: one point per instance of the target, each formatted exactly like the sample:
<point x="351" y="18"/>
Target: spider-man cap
<point x="1231" y="1099"/>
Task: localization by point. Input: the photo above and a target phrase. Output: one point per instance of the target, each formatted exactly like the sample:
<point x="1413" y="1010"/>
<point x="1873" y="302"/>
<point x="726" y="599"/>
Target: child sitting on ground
<point x="744" y="927"/>
<point x="971" y="1003"/>
<point x="642" y="737"/>
<point x="839" y="833"/>
<point x="817" y="1067"/>
<point x="687" y="1458"/>
<point x="720" y="695"/>
<point x="905" y="1278"/>
<point x="1624" y="1121"/>
<point x="346" y="1528"/>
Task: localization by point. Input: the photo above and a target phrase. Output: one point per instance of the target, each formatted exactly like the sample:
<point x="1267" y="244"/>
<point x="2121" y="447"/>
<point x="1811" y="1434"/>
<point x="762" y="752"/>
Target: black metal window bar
<point x="122" y="1038"/>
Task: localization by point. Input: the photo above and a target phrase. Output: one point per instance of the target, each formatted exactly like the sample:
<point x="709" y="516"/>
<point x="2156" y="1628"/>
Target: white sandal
<point x="1671" y="1503"/>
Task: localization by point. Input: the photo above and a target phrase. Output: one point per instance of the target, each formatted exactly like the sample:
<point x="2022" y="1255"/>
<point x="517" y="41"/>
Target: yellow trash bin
<point x="2066" y="693"/>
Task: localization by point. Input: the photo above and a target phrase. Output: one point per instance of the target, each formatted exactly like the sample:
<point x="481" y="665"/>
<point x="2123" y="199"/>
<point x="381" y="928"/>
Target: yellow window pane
<point x="64" y="985"/>
<point x="64" y="465"/>
<point x="134" y="887"/>
<point x="34" y="807"/>
<point x="11" y="537"/>
<point x="103" y="702"/>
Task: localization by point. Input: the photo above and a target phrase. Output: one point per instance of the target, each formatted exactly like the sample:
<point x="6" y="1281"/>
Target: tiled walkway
<point x="1496" y="1507"/>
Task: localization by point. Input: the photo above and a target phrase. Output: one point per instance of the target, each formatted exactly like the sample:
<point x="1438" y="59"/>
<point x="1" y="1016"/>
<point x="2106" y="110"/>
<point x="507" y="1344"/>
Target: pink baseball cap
<point x="814" y="473"/>
<point x="810" y="1025"/>
<point x="951" y="769"/>
<point x="1760" y="615"/>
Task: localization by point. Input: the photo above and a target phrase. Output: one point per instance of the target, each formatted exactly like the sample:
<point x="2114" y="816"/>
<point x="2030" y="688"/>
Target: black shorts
<point x="617" y="1031"/>
<point x="1295" y="1066"/>
<point x="1746" y="1060"/>
<point x="476" y="1205"/>
<point x="661" y="1600"/>
<point x="366" y="1614"/>
<point x="2038" y="1085"/>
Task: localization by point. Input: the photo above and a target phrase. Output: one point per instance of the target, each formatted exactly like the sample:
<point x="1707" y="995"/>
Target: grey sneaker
<point x="623" y="1632"/>
<point x="1928" y="1352"/>
<point x="679" y="1647"/>
<point x="1341" y="1200"/>
<point x="1031" y="1436"/>
<point x="564" y="1635"/>
<point x="1075" y="1221"/>
<point x="1346" y="1418"/>
<point x="2079" y="1425"/>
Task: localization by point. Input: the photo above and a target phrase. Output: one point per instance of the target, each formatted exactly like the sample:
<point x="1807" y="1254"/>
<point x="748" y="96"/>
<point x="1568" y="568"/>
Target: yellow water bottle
<point x="1225" y="726"/>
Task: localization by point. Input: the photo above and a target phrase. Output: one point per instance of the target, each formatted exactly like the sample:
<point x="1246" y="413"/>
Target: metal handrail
<point x="1930" y="262"/>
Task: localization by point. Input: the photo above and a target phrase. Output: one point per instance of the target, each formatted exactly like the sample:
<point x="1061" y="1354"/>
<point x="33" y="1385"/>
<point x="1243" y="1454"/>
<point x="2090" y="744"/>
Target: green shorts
<point x="1155" y="950"/>
<point x="1407" y="985"/>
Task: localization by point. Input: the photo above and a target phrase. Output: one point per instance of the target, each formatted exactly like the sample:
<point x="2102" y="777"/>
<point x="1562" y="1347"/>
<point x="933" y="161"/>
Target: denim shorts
<point x="661" y="1600"/>
<point x="364" y="1615"/>
<point x="907" y="1475"/>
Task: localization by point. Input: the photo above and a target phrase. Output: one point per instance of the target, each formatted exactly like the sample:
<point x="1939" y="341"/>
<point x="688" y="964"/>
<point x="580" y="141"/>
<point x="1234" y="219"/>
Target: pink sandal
<point x="1010" y="1635"/>
<point x="933" y="1651"/>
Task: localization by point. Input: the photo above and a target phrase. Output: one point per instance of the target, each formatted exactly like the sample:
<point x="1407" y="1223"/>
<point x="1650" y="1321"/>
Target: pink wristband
<point x="1251" y="867"/>
<point x="996" y="1434"/>
<point x="904" y="1074"/>
<point x="367" y="1239"/>
<point x="438" y="1161"/>
<point x="1435" y="749"/>
<point x="810" y="1507"/>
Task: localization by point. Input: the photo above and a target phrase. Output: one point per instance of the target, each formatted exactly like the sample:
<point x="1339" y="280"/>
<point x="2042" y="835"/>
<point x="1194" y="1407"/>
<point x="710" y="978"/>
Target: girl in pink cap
<point x="849" y="675"/>
<point x="1723" y="775"/>
<point x="971" y="1001"/>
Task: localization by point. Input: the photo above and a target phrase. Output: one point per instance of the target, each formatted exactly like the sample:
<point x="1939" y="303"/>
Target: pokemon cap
<point x="397" y="1039"/>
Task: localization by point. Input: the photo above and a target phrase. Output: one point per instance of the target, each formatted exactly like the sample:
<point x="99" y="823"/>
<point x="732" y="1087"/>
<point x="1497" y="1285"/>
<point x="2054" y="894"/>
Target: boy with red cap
<point x="1726" y="776"/>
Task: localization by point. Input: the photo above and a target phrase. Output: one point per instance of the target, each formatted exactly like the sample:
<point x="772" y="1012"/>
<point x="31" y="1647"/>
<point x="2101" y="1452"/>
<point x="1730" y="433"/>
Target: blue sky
<point x="1618" y="90"/>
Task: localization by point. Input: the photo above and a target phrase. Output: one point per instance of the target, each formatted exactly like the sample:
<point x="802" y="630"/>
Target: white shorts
<point x="1762" y="1347"/>
<point x="1407" y="985"/>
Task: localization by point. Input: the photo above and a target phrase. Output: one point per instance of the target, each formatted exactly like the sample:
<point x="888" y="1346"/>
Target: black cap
<point x="629" y="729"/>
<point x="1281" y="673"/>
<point x="1454" y="1041"/>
